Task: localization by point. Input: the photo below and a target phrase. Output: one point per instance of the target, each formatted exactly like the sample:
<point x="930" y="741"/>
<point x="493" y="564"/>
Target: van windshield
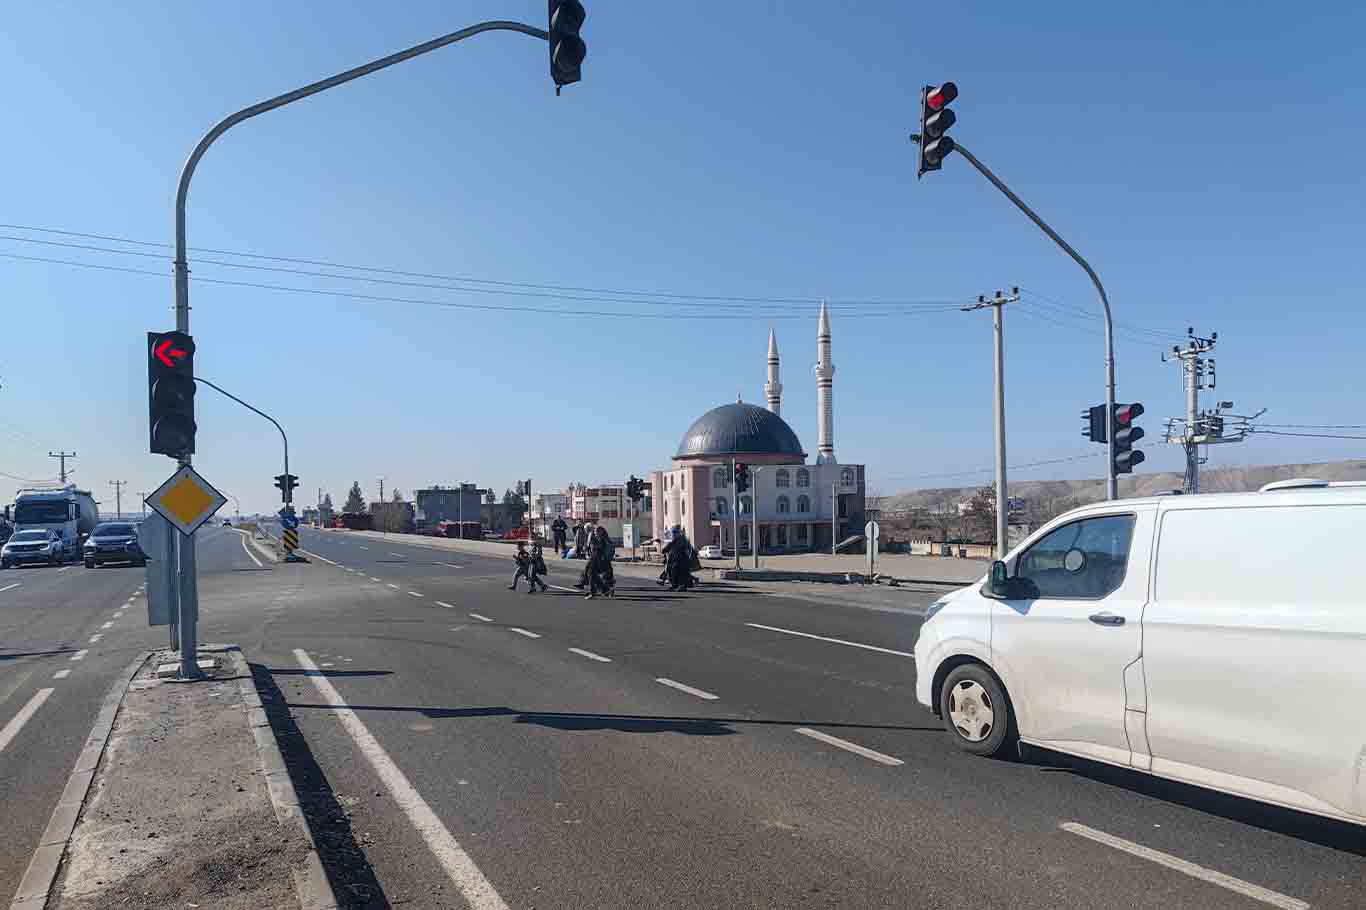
<point x="40" y="512"/>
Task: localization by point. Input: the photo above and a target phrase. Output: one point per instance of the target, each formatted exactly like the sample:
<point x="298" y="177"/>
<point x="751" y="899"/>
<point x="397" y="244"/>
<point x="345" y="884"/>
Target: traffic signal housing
<point x="1093" y="423"/>
<point x="635" y="489"/>
<point x="1126" y="434"/>
<point x="935" y="120"/>
<point x="567" y="49"/>
<point x="286" y="483"/>
<point x="170" y="393"/>
<point x="741" y="477"/>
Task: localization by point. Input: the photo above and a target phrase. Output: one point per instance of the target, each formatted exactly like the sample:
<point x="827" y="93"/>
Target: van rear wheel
<point x="976" y="711"/>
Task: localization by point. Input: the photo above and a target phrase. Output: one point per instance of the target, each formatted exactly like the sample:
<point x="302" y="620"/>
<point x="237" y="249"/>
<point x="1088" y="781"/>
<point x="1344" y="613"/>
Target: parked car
<point x="114" y="541"/>
<point x="710" y="551"/>
<point x="1190" y="637"/>
<point x="33" y="545"/>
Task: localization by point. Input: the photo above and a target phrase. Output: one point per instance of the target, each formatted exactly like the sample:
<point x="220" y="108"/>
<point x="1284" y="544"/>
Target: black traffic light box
<point x="935" y="120"/>
<point x="1126" y="434"/>
<point x="170" y="393"/>
<point x="567" y="49"/>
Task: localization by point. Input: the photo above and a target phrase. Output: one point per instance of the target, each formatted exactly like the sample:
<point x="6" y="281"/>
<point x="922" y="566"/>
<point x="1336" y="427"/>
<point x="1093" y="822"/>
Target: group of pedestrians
<point x="530" y="566"/>
<point x="595" y="547"/>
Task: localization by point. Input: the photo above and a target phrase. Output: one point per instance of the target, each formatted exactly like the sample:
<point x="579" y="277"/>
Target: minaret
<point x="825" y="393"/>
<point x="773" y="389"/>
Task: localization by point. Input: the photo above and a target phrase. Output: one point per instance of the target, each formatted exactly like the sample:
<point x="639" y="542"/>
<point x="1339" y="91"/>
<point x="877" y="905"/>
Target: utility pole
<point x="1198" y="427"/>
<point x="997" y="303"/>
<point x="143" y="495"/>
<point x="62" y="457"/>
<point x="735" y="520"/>
<point x="834" y="518"/>
<point x="118" y="486"/>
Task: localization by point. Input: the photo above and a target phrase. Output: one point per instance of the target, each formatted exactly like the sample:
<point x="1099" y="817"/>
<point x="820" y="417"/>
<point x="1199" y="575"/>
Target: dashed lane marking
<point x="846" y="745"/>
<point x="442" y="603"/>
<point x="591" y="656"/>
<point x="373" y="578"/>
<point x="480" y="617"/>
<point x="80" y="655"/>
<point x="665" y="681"/>
<point x="61" y="674"/>
<point x="524" y="632"/>
<point x="838" y="641"/>
<point x="414" y="594"/>
<point x="1247" y="889"/>
<point x="95" y="639"/>
<point x="450" y="565"/>
<point x="392" y="585"/>
<point x="17" y="722"/>
<point x="399" y="555"/>
<point x="64" y="569"/>
<point x="107" y="625"/>
<point x="477" y="891"/>
<point x="17" y="584"/>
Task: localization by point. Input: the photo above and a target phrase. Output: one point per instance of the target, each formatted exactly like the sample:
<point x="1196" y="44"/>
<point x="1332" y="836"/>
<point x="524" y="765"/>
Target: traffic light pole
<point x="1111" y="479"/>
<point x="289" y="493"/>
<point x="735" y="514"/>
<point x="188" y="598"/>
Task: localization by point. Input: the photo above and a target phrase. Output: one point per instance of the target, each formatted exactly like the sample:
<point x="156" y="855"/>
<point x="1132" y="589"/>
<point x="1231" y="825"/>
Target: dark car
<point x="114" y="541"/>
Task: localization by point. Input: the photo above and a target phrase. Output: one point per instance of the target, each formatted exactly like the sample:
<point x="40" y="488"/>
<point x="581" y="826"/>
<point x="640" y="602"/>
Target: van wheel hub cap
<point x="971" y="711"/>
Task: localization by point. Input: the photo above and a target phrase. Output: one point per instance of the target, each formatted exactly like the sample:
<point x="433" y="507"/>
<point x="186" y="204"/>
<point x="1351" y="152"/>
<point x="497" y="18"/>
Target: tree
<point x="490" y="498"/>
<point x="327" y="502"/>
<point x="980" y="518"/>
<point x="355" y="500"/>
<point x="514" y="504"/>
<point x="398" y="495"/>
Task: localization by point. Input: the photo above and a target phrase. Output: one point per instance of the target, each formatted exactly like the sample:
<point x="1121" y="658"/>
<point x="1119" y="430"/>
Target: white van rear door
<point x="1255" y="653"/>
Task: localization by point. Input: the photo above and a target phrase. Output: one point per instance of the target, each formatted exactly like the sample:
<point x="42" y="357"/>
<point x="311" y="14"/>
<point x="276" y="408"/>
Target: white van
<point x="1218" y="640"/>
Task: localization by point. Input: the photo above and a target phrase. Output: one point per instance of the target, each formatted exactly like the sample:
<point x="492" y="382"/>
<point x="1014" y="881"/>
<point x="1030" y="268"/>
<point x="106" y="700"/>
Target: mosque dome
<point x="739" y="429"/>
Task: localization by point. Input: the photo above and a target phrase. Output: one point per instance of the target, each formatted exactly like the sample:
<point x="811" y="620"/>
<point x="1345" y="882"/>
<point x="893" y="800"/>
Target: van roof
<point x="1293" y="492"/>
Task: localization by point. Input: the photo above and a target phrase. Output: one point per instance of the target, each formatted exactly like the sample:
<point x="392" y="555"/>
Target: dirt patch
<point x="179" y="815"/>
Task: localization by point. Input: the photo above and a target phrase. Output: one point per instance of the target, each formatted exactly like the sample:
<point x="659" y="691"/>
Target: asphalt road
<point x="66" y="635"/>
<point x="659" y="750"/>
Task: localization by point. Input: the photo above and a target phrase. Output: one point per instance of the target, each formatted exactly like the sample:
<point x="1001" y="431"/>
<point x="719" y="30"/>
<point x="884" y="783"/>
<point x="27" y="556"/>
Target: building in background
<point x="393" y="517"/>
<point x="607" y="506"/>
<point x="545" y="508"/>
<point x="798" y="506"/>
<point x="437" y="504"/>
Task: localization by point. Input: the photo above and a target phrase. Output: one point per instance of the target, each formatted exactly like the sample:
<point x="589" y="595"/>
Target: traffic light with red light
<point x="935" y="120"/>
<point x="1126" y="434"/>
<point x="567" y="49"/>
<point x="170" y="393"/>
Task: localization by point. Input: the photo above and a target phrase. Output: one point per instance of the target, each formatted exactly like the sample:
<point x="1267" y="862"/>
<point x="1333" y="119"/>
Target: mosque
<point x="798" y="506"/>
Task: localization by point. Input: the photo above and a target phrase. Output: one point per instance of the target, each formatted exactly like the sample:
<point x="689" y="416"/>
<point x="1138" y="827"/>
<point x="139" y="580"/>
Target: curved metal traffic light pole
<point x="288" y="494"/>
<point x="187" y="594"/>
<point x="1111" y="479"/>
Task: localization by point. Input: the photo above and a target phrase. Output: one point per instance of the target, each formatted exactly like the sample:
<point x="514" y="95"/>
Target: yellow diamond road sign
<point x="186" y="500"/>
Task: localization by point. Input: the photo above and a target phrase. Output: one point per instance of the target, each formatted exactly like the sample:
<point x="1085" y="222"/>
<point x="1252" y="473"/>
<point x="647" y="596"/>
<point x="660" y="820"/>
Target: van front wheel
<point x="976" y="710"/>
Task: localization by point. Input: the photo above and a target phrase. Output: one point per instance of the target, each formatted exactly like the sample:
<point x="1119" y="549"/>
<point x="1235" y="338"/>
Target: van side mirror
<point x="998" y="582"/>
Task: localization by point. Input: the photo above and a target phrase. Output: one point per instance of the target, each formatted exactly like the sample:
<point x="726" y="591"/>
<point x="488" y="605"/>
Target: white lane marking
<point x="17" y="584"/>
<point x="459" y="867"/>
<point x="399" y="555"/>
<point x="94" y="639"/>
<point x="664" y="681"/>
<point x="450" y="564"/>
<point x="61" y="674"/>
<point x="826" y="738"/>
<point x="247" y="550"/>
<point x="80" y="655"/>
<point x="480" y="617"/>
<point x="591" y="656"/>
<point x="570" y="590"/>
<point x="17" y="722"/>
<point x="1247" y="889"/>
<point x="523" y="632"/>
<point x="373" y="578"/>
<point x="363" y="548"/>
<point x="63" y="569"/>
<point x="323" y="558"/>
<point x="838" y="641"/>
<point x="394" y="586"/>
<point x="442" y="603"/>
<point x="107" y="625"/>
<point x="414" y="594"/>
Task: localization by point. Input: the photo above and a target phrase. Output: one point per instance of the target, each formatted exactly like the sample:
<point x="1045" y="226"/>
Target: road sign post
<point x="157" y="542"/>
<point x="186" y="501"/>
<point x="870" y="532"/>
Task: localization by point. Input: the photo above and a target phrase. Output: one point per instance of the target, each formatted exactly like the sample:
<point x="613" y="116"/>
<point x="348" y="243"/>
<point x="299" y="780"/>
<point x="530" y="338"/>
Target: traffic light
<point x="567" y="49"/>
<point x="170" y="393"/>
<point x="935" y="120"/>
<point x="1126" y="434"/>
<point x="741" y="477"/>
<point x="1093" y="423"/>
<point x="286" y="483"/>
<point x="635" y="489"/>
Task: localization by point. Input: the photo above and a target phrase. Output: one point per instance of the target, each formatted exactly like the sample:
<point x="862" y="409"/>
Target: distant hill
<point x="1071" y="493"/>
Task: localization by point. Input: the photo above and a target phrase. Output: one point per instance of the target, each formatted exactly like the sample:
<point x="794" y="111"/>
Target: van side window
<point x="1085" y="559"/>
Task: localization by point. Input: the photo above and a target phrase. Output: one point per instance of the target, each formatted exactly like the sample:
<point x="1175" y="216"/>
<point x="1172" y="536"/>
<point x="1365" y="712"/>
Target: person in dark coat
<point x="523" y="560"/>
<point x="581" y="542"/>
<point x="536" y="568"/>
<point x="678" y="559"/>
<point x="559" y="531"/>
<point x="599" y="568"/>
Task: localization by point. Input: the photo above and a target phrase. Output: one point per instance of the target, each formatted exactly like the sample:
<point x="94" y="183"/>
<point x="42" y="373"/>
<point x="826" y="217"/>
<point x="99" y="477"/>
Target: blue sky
<point x="757" y="152"/>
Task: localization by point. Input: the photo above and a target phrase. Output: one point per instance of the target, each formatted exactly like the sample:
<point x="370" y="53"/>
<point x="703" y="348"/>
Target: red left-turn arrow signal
<point x="164" y="352"/>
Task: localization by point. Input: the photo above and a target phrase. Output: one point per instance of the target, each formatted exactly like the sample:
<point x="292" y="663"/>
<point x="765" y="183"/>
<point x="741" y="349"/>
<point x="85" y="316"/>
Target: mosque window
<point x="718" y="479"/>
<point x="783" y="478"/>
<point x="721" y="505"/>
<point x="784" y="505"/>
<point x="745" y="506"/>
<point x="803" y="477"/>
<point x="847" y="477"/>
<point x="803" y="504"/>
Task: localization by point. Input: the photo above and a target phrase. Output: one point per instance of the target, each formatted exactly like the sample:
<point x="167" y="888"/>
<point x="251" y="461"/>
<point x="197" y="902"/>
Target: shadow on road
<point x="626" y="723"/>
<point x="348" y="869"/>
<point x="1301" y="825"/>
<point x="35" y="653"/>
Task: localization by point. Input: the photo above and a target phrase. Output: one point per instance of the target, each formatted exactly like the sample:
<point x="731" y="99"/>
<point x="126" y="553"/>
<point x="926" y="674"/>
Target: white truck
<point x="70" y="512"/>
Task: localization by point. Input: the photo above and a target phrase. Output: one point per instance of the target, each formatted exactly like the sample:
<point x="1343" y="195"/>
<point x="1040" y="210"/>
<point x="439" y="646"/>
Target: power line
<point x="575" y="292"/>
<point x="1259" y="431"/>
<point x="27" y="479"/>
<point x="1014" y="467"/>
<point x="1081" y="311"/>
<point x="1314" y="426"/>
<point x="376" y="298"/>
<point x="1087" y="330"/>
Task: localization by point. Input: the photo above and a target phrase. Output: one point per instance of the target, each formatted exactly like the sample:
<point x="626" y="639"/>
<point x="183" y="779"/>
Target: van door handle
<point x="1107" y="619"/>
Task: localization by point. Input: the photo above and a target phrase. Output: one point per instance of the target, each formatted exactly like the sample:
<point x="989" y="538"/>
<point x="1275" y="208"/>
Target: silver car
<point x="34" y="545"/>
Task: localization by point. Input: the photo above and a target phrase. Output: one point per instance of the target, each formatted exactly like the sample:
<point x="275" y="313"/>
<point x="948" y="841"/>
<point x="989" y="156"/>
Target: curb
<point x="36" y="885"/>
<point x="310" y="882"/>
<point x="264" y="552"/>
<point x="835" y="578"/>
